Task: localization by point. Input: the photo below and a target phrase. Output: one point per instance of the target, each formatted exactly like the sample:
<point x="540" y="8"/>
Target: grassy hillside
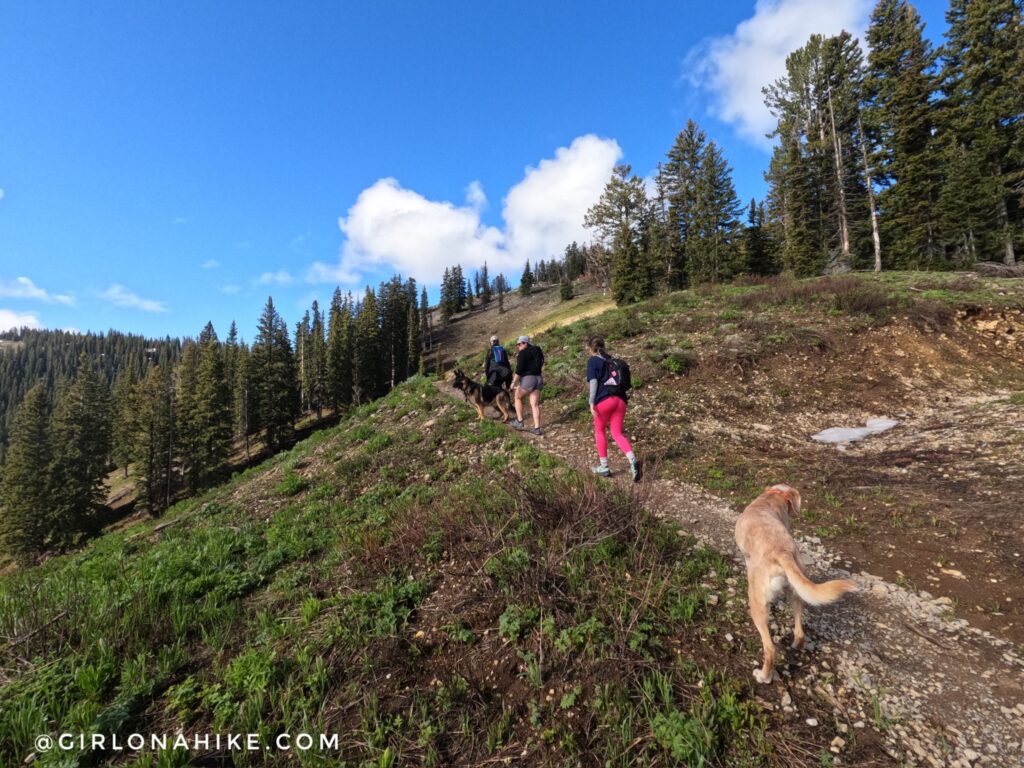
<point x="432" y="590"/>
<point x="435" y="591"/>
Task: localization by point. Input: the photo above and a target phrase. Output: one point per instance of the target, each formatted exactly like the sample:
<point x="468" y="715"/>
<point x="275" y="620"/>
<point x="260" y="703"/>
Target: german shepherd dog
<point x="482" y="395"/>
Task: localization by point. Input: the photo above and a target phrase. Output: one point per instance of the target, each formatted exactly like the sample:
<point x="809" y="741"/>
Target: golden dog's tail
<point x="807" y="590"/>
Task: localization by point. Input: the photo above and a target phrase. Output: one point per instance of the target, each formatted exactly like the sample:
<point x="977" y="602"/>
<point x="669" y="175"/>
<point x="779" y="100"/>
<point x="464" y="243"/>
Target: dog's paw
<point x="762" y="678"/>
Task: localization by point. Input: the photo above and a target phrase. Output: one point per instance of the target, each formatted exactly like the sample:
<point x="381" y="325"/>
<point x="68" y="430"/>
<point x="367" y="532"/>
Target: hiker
<point x="528" y="381"/>
<point x="498" y="369"/>
<point x="608" y="386"/>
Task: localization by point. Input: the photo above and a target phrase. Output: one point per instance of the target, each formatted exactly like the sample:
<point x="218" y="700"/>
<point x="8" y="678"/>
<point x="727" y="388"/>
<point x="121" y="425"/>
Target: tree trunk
<point x="1009" y="258"/>
<point x="875" y="238"/>
<point x="844" y="228"/>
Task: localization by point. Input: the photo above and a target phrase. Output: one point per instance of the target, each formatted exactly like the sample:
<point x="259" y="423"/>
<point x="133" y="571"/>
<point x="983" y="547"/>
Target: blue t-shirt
<point x="596" y="369"/>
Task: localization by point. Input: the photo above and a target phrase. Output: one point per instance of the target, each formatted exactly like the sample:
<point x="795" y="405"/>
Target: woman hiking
<point x="608" y="406"/>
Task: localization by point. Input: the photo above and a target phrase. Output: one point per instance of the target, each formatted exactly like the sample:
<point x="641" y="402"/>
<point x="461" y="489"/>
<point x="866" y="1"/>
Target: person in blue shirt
<point x="608" y="407"/>
<point x="497" y="368"/>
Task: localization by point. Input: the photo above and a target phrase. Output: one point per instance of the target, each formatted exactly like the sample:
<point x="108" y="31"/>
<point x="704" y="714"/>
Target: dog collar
<point x="783" y="494"/>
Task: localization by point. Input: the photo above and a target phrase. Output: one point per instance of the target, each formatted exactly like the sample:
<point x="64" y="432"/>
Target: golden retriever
<point x="773" y="562"/>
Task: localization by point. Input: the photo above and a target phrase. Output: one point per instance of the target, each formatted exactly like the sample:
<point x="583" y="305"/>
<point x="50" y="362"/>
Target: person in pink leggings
<point x="608" y="407"/>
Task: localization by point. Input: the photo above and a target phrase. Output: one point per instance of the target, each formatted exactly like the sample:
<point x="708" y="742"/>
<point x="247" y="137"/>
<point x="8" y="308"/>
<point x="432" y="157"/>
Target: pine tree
<point x="712" y="250"/>
<point x="125" y="421"/>
<point x="677" y="184"/>
<point x="303" y="361"/>
<point x="317" y="361"/>
<point x="367" y="353"/>
<point x="898" y="120"/>
<point x="244" y="398"/>
<point x="155" y="449"/>
<point x="414" y="343"/>
<point x="274" y="377"/>
<point x="759" y="254"/>
<point x="485" y="284"/>
<point x="983" y="69"/>
<point x="81" y="432"/>
<point x="339" y="351"/>
<point x="214" y="417"/>
<point x="817" y="196"/>
<point x="26" y="518"/>
<point x="526" y="281"/>
<point x="187" y="428"/>
<point x="426" y="331"/>
<point x="619" y="218"/>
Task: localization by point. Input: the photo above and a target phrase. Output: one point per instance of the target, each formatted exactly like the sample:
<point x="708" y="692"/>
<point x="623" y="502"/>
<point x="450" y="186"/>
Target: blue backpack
<point x="499" y="355"/>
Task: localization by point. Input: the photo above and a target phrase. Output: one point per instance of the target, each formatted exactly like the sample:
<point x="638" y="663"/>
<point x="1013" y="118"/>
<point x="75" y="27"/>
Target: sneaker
<point x="536" y="431"/>
<point x="636" y="470"/>
<point x="516" y="424"/>
<point x="602" y="470"/>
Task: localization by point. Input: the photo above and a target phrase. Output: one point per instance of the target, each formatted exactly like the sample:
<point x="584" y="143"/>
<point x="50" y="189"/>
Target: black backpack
<point x="618" y="369"/>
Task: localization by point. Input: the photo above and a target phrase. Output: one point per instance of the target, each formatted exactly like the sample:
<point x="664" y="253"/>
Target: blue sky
<point x="162" y="165"/>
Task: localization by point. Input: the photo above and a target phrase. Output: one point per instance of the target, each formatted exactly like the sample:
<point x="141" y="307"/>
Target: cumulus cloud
<point x="475" y="197"/>
<point x="390" y="226"/>
<point x="230" y="289"/>
<point x="734" y="68"/>
<point x="544" y="212"/>
<point x="24" y="288"/>
<point x="120" y="296"/>
<point x="11" y="320"/>
<point x="281" y="277"/>
<point x="1" y="193"/>
<point x="211" y="264"/>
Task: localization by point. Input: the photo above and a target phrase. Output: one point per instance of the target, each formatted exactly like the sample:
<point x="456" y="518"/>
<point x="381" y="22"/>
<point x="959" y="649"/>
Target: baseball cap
<point x="523" y="340"/>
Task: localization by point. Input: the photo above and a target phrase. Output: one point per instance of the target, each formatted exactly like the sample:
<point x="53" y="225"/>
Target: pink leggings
<point x="611" y="409"/>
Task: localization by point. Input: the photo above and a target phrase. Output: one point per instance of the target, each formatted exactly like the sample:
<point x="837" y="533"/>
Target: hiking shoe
<point x="516" y="424"/>
<point x="636" y="470"/>
<point x="536" y="431"/>
<point x="602" y="471"/>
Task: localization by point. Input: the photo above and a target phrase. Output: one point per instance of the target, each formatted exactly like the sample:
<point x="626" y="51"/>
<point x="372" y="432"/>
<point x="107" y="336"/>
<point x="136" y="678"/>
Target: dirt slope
<point x="733" y="383"/>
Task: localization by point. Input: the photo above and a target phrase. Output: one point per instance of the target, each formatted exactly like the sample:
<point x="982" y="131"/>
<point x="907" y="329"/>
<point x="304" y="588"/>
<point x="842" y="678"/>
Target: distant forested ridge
<point x="29" y="357"/>
<point x="179" y="415"/>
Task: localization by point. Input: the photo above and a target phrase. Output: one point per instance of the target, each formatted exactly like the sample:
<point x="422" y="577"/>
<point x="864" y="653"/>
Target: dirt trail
<point x="940" y="691"/>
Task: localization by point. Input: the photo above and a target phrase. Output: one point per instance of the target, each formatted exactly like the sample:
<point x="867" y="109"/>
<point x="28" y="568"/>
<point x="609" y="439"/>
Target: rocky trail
<point x="939" y="691"/>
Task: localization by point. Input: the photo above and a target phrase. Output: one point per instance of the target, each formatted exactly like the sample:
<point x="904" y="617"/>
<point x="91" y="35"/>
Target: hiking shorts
<point x="531" y="383"/>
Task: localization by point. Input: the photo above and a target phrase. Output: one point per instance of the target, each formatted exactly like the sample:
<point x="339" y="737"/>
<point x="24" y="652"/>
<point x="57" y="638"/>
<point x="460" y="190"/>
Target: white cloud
<point x="544" y="212"/>
<point x="230" y="289"/>
<point x="211" y="264"/>
<point x="390" y="226"/>
<point x="122" y="297"/>
<point x="24" y="288"/>
<point x="281" y="277"/>
<point x="475" y="197"/>
<point x="734" y="68"/>
<point x="11" y="320"/>
<point x="179" y="221"/>
<point x="1" y="193"/>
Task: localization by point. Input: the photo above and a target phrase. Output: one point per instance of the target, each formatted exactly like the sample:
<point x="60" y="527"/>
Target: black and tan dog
<point x="482" y="395"/>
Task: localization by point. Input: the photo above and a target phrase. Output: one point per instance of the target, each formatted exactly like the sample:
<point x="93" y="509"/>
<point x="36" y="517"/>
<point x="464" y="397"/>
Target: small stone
<point x="787" y="700"/>
<point x="839" y="742"/>
<point x="859" y="724"/>
<point x="811" y="721"/>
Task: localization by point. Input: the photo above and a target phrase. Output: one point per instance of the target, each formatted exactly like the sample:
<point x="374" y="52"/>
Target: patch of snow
<point x="853" y="434"/>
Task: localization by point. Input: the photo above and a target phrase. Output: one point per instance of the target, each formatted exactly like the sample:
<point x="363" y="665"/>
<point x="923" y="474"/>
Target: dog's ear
<point x="792" y="496"/>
